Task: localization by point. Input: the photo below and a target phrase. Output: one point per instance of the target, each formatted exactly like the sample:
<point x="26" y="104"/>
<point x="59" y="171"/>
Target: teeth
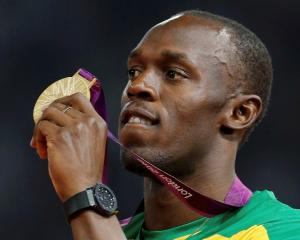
<point x="138" y="120"/>
<point x="134" y="120"/>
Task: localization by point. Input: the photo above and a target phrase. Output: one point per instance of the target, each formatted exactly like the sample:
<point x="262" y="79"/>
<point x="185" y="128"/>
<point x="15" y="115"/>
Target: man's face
<point x="171" y="106"/>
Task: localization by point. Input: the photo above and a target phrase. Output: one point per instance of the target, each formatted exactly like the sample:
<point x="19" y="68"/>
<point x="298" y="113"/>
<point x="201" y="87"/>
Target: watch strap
<point x="80" y="201"/>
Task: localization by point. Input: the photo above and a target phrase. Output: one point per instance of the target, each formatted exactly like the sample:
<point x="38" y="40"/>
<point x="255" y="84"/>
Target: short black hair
<point x="254" y="71"/>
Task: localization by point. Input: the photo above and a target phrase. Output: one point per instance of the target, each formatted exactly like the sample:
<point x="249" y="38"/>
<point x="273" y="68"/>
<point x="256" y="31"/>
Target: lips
<point x="138" y="116"/>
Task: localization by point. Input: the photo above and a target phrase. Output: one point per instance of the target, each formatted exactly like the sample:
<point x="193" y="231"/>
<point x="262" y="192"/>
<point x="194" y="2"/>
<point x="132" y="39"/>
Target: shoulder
<point x="267" y="206"/>
<point x="263" y="218"/>
<point x="279" y="220"/>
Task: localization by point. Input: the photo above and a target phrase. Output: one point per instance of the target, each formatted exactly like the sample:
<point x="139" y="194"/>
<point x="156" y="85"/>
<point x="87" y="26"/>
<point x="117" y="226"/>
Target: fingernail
<point x="31" y="142"/>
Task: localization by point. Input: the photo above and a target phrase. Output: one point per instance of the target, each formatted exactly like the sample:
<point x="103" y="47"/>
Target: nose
<point x="144" y="87"/>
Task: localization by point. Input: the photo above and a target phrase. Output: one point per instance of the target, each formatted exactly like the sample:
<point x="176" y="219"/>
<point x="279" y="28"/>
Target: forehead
<point x="199" y="39"/>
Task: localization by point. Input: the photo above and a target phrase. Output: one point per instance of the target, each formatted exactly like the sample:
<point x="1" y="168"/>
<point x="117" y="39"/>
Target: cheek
<point x="191" y="115"/>
<point x="187" y="108"/>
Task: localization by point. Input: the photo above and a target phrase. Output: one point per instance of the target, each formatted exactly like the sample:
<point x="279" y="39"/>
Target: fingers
<point x="44" y="133"/>
<point x="47" y="129"/>
<point x="79" y="106"/>
<point x="71" y="112"/>
<point x="54" y="118"/>
<point x="77" y="101"/>
<point x="40" y="144"/>
<point x="55" y="113"/>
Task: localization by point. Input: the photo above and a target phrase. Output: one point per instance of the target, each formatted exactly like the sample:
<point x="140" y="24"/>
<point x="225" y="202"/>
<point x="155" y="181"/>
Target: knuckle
<point x="55" y="104"/>
<point x="96" y="122"/>
<point x="40" y="124"/>
<point x="78" y="126"/>
<point x="47" y="111"/>
<point x="77" y="97"/>
<point x="63" y="134"/>
<point x="91" y="121"/>
<point x="58" y="102"/>
<point x="102" y="124"/>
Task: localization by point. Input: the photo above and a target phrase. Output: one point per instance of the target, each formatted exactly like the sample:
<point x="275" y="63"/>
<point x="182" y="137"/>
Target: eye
<point x="175" y="74"/>
<point x="133" y="73"/>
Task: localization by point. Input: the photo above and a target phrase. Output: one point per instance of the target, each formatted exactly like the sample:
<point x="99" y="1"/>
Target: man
<point x="198" y="85"/>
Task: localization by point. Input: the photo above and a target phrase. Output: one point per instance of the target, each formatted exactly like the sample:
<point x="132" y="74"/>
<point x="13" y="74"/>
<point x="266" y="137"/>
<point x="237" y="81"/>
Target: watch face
<point x="106" y="198"/>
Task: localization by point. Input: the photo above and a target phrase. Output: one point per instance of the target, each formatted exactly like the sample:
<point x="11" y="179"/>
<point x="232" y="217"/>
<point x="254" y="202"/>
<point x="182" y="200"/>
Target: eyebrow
<point x="173" y="55"/>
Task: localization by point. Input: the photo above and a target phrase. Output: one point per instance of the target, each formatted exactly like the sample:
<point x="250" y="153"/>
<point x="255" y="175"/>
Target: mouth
<point x="138" y="117"/>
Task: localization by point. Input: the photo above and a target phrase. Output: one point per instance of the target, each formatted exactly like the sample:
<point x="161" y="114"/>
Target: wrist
<point x="66" y="191"/>
<point x="88" y="216"/>
<point x="99" y="198"/>
<point x="90" y="225"/>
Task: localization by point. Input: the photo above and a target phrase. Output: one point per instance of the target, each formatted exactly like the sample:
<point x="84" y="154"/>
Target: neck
<point x="212" y="178"/>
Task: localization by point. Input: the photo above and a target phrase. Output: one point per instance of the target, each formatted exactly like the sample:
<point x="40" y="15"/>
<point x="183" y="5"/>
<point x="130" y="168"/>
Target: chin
<point x="166" y="162"/>
<point x="133" y="165"/>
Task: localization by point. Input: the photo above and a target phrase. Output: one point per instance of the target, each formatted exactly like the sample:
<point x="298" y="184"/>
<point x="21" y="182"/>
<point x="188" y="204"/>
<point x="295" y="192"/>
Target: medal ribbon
<point x="237" y="196"/>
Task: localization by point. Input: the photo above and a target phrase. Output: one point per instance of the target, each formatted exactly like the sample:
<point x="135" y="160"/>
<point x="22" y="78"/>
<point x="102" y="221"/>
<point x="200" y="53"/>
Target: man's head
<point x="196" y="81"/>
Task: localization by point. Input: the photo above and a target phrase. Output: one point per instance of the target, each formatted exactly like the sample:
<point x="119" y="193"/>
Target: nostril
<point x="141" y="90"/>
<point x="129" y="94"/>
<point x="144" y="95"/>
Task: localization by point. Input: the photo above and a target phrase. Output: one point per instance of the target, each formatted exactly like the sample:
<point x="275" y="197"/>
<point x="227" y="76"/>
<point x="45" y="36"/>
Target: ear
<point x="241" y="112"/>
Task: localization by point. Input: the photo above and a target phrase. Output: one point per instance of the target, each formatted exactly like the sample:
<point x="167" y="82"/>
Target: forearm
<point x="89" y="225"/>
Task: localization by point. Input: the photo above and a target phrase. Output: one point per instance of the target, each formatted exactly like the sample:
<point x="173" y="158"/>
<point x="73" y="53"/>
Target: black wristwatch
<point x="99" y="198"/>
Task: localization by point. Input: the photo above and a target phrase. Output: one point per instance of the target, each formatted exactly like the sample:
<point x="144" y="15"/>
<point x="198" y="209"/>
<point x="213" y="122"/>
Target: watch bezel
<point x="100" y="205"/>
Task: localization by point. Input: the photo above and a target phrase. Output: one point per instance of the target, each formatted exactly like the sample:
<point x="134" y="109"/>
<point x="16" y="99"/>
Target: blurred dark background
<point x="42" y="41"/>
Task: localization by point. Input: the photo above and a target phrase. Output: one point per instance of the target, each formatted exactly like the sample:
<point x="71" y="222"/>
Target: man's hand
<point x="73" y="142"/>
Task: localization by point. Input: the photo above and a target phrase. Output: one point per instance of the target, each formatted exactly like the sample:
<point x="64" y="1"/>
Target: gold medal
<point x="61" y="88"/>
